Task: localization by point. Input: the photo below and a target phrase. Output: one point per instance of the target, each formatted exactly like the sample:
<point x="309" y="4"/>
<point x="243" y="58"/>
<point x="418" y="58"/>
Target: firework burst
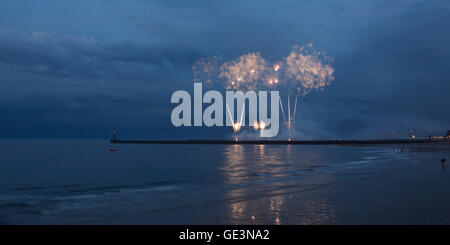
<point x="305" y="69"/>
<point x="244" y="73"/>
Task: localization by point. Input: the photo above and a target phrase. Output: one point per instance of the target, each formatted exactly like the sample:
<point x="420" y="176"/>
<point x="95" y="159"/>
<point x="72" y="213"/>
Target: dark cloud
<point x="77" y="56"/>
<point x="113" y="64"/>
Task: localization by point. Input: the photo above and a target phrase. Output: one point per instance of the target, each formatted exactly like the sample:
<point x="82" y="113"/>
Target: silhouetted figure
<point x="443" y="165"/>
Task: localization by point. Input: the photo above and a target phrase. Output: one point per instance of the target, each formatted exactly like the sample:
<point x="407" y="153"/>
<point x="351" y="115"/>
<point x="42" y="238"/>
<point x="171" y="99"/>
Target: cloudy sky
<point x="81" y="68"/>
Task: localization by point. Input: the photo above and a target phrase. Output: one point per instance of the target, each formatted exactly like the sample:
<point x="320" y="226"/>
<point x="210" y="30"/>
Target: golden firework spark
<point x="262" y="125"/>
<point x="243" y="73"/>
<point x="301" y="72"/>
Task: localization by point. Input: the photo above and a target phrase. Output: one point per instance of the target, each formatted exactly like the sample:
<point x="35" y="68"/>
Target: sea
<point x="83" y="182"/>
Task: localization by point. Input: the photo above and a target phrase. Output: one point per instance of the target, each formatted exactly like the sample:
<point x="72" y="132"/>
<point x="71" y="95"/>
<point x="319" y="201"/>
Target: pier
<point x="286" y="142"/>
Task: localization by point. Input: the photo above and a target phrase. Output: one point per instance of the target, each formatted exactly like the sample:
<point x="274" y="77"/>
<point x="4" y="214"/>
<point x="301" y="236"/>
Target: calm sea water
<point x="81" y="182"/>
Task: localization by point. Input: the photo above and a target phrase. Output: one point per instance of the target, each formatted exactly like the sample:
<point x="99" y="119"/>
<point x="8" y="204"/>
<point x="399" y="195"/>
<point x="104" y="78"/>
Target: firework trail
<point x="243" y="74"/>
<point x="305" y="69"/>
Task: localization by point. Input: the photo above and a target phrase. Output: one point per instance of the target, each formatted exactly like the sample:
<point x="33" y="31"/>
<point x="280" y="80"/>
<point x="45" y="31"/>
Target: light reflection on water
<point x="258" y="176"/>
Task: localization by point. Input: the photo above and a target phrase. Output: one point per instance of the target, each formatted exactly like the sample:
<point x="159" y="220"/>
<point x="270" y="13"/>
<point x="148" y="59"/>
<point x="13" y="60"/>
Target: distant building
<point x="433" y="137"/>
<point x="446" y="137"/>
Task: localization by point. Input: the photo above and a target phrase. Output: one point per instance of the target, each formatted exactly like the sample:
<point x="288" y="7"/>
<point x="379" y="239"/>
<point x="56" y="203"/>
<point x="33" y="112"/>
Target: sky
<point x="82" y="68"/>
